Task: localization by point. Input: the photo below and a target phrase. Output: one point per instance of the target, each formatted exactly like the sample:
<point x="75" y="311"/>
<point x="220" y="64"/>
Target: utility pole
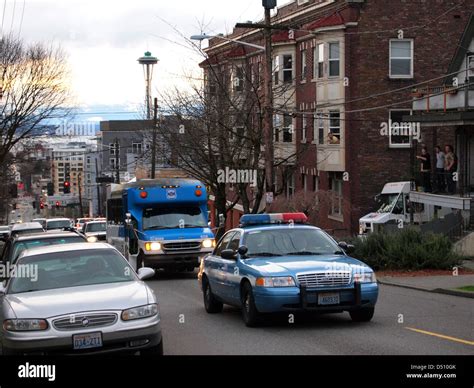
<point x="153" y="144"/>
<point x="99" y="207"/>
<point x="117" y="161"/>
<point x="268" y="97"/>
<point x="81" y="210"/>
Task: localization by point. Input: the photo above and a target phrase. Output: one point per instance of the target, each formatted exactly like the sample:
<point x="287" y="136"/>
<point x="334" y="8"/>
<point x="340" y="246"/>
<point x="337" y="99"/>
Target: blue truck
<point x="160" y="223"/>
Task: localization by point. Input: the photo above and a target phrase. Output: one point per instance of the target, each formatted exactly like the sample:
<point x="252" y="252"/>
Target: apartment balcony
<point x="443" y="98"/>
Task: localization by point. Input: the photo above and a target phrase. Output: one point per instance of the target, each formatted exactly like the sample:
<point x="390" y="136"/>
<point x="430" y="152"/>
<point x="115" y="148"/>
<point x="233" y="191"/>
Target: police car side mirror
<point x="348" y="248"/>
<point x="243" y="250"/>
<point x="228" y="254"/>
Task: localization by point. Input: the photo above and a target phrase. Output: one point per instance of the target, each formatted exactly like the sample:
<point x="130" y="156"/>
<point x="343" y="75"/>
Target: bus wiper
<point x="265" y="254"/>
<point x="303" y="253"/>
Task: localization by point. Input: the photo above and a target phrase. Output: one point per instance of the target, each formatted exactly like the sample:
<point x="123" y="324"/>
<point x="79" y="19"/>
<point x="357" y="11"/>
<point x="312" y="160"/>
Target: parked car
<point x="58" y="223"/>
<point x="4" y="232"/>
<point x="16" y="245"/>
<point x="95" y="231"/>
<point x="25" y="228"/>
<point x="42" y="221"/>
<point x="276" y="263"/>
<point x="80" y="223"/>
<point x="86" y="301"/>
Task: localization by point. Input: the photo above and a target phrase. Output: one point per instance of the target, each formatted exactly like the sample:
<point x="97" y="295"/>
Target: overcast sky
<point x="104" y="38"/>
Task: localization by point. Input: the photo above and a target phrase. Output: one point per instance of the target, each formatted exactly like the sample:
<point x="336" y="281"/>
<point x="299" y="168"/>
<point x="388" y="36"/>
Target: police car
<point x="277" y="263"/>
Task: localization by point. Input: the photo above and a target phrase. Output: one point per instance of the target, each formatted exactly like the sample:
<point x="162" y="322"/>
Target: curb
<point x="443" y="291"/>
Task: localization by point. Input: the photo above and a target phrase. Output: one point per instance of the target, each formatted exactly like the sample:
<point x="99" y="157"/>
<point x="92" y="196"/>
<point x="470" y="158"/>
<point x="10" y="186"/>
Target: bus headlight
<point x="152" y="246"/>
<point x="208" y="243"/>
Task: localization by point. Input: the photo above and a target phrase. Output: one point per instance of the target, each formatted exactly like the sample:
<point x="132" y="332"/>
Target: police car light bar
<point x="275" y="218"/>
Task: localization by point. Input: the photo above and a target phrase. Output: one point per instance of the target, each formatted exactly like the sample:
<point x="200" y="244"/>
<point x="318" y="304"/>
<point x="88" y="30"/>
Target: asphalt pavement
<point x="406" y="322"/>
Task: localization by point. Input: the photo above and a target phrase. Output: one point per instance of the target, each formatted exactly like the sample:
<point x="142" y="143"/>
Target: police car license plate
<point x="328" y="298"/>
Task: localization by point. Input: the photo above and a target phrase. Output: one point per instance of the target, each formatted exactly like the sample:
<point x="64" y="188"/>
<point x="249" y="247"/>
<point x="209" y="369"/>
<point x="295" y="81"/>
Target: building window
<point x="287" y="68"/>
<point x="287" y="129"/>
<point x="303" y="65"/>
<point x="315" y="183"/>
<point x="334" y="60"/>
<point x="320" y="58"/>
<point x="276" y="69"/>
<point x="112" y="147"/>
<point x="238" y="79"/>
<point x="137" y="148"/>
<point x="304" y="128"/>
<point x="276" y="127"/>
<point x="290" y="187"/>
<point x="335" y="188"/>
<point x="113" y="163"/>
<point x="399" y="131"/>
<point x="334" y="127"/>
<point x="304" y="182"/>
<point x="318" y="129"/>
<point x="401" y="58"/>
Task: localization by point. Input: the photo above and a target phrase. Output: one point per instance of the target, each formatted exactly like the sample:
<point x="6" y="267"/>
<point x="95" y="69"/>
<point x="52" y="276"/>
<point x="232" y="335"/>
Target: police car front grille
<point x="325" y="279"/>
<point x="74" y="322"/>
<point x="178" y="246"/>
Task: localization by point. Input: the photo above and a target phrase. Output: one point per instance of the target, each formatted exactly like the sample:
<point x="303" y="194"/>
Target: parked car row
<point x="66" y="295"/>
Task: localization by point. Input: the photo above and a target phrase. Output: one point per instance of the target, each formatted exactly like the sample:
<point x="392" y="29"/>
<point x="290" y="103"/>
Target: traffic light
<point x="50" y="188"/>
<point x="67" y="187"/>
<point x="58" y="204"/>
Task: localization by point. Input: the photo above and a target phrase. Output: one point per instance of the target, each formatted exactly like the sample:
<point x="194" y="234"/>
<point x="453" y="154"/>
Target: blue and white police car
<point x="277" y="263"/>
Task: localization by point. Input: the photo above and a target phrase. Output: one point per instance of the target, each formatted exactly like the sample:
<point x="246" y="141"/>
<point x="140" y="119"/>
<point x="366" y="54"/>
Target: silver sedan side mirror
<point x="145" y="273"/>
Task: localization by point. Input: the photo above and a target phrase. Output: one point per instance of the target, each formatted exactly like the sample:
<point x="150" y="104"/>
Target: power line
<point x="22" y="15"/>
<point x="13" y="15"/>
<point x="3" y="16"/>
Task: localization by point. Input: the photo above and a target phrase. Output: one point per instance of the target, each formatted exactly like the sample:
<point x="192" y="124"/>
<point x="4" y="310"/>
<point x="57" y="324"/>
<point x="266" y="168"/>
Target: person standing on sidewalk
<point x="425" y="162"/>
<point x="440" y="164"/>
<point x="450" y="168"/>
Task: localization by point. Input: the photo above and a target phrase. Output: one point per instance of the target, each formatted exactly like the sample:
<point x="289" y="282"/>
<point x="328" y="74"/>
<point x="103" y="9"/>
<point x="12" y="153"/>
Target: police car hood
<point x="291" y="265"/>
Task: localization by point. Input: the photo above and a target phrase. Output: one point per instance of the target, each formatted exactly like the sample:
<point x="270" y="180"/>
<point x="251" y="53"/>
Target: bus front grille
<point x="181" y="246"/>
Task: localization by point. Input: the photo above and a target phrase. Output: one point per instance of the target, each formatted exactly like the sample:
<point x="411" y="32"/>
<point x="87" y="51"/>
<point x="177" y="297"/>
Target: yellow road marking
<point x="441" y="336"/>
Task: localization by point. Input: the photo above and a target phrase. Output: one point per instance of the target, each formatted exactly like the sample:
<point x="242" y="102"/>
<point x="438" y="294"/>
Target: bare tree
<point x="34" y="88"/>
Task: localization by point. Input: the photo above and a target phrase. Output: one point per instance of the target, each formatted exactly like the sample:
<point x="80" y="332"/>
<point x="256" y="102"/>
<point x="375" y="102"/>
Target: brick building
<point x="349" y="67"/>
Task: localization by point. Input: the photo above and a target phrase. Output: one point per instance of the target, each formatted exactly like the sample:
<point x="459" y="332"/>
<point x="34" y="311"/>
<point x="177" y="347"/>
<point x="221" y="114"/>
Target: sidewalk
<point x="441" y="284"/>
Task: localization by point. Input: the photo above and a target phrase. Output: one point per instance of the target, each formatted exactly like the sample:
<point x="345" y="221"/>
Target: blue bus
<point x="160" y="223"/>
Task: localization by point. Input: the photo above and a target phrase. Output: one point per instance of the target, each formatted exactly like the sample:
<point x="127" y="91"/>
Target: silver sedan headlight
<point x="140" y="312"/>
<point x="25" y="324"/>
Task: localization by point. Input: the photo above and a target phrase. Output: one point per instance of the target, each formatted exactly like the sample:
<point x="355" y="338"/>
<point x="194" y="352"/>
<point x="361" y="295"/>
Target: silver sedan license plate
<point x="328" y="298"/>
<point x="87" y="341"/>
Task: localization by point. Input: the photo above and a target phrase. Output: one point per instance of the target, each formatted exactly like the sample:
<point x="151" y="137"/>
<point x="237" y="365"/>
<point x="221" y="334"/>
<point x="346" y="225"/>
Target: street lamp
<point x="148" y="62"/>
<point x="205" y="37"/>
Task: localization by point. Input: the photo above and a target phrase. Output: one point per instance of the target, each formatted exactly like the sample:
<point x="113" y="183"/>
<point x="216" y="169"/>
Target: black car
<point x="17" y="244"/>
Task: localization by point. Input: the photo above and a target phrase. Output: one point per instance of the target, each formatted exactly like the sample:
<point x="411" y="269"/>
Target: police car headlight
<point x="286" y="281"/>
<point x="152" y="246"/>
<point x="366" y="277"/>
<point x="208" y="243"/>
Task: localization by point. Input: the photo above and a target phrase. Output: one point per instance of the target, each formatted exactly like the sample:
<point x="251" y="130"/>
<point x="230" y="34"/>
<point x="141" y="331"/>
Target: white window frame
<point x="338" y="59"/>
<point x="412" y="59"/>
<point x="318" y="124"/>
<point x="320" y="60"/>
<point x="276" y="69"/>
<point x="304" y="128"/>
<point x="137" y="146"/>
<point x="287" y="129"/>
<point x="287" y="70"/>
<point x="396" y="145"/>
<point x="290" y="186"/>
<point x="336" y="195"/>
<point x="331" y="128"/>
<point x="304" y="66"/>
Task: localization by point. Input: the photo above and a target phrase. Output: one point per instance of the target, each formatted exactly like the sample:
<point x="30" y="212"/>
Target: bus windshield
<point x="174" y="217"/>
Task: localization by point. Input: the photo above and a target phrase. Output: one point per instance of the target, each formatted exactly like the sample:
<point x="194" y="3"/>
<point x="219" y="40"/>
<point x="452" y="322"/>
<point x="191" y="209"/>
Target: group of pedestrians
<point x="445" y="169"/>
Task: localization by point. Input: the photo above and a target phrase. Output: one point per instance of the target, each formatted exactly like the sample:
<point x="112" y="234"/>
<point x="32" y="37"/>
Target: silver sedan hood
<point x="61" y="301"/>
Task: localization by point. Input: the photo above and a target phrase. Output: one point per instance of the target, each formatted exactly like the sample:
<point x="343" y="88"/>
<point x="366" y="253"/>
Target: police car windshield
<point x="174" y="217"/>
<point x="289" y="241"/>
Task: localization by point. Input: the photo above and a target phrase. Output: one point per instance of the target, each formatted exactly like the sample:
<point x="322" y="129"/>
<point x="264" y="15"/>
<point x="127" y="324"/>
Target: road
<point x="406" y="322"/>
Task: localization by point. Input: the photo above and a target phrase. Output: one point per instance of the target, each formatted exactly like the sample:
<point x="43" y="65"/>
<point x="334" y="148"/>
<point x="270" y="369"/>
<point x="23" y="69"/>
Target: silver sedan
<point x="83" y="298"/>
